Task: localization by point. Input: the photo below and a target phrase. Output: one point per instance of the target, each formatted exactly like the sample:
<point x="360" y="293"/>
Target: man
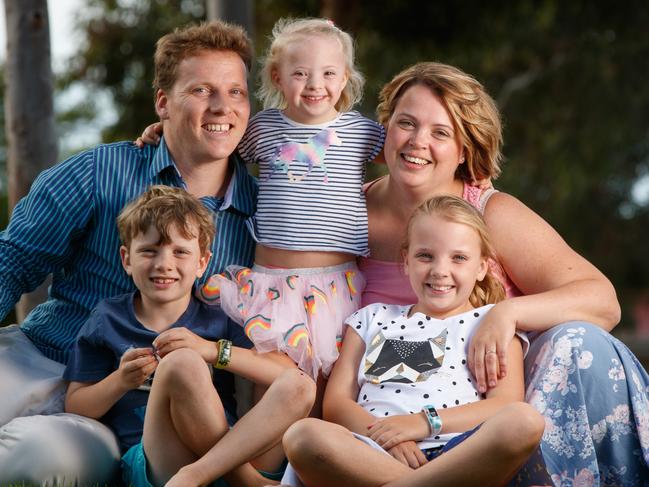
<point x="66" y="226"/>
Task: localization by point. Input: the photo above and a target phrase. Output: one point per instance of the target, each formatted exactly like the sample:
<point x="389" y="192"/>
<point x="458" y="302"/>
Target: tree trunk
<point x="240" y="12"/>
<point x="29" y="108"/>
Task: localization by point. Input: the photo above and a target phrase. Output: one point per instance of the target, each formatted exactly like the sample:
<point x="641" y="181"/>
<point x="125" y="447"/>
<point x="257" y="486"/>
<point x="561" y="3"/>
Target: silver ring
<point x="490" y="351"/>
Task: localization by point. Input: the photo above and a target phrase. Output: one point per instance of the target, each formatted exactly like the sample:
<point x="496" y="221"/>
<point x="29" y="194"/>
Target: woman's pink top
<point x="386" y="281"/>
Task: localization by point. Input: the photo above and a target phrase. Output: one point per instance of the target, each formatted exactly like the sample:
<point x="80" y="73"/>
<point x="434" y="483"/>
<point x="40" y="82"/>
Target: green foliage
<point x="569" y="77"/>
<point x="118" y="53"/>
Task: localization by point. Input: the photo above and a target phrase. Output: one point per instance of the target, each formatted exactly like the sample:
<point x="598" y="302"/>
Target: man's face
<point x="206" y="111"/>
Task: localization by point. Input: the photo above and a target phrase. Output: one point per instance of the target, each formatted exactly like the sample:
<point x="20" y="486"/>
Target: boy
<point x="161" y="327"/>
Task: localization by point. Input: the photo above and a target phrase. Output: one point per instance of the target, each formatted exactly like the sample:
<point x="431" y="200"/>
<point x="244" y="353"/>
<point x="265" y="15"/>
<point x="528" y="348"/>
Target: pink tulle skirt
<point x="297" y="311"/>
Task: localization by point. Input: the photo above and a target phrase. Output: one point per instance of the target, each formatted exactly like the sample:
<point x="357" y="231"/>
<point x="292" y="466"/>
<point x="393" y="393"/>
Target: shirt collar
<point x="241" y="193"/>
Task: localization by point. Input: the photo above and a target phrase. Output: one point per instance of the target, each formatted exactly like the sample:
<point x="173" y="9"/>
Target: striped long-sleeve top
<point x="66" y="226"/>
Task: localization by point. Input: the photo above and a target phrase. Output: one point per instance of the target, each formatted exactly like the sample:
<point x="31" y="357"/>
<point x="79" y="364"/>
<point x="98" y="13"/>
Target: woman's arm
<point x="339" y="404"/>
<point x="559" y="284"/>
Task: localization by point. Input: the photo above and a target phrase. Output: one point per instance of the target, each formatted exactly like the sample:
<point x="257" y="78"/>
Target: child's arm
<point x="95" y="399"/>
<point x="261" y="368"/>
<point x="150" y="136"/>
<point x="391" y="431"/>
<point x="339" y="404"/>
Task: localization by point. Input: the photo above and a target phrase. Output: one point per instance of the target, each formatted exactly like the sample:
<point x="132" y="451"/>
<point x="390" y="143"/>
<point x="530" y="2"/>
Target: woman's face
<point x="421" y="145"/>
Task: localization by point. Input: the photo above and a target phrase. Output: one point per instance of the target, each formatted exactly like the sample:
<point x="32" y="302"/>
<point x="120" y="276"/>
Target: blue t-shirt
<point x="113" y="328"/>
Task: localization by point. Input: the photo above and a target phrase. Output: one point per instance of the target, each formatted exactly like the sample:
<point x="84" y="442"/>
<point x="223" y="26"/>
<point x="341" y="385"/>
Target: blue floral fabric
<point x="594" y="395"/>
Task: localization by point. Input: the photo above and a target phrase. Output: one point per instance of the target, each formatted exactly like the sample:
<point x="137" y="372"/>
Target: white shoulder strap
<point x="484" y="198"/>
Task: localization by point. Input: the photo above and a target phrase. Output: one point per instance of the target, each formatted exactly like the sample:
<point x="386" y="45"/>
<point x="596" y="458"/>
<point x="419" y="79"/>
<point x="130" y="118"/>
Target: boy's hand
<point x="175" y="338"/>
<point x="135" y="367"/>
<point x="393" y="430"/>
<point x="150" y="136"/>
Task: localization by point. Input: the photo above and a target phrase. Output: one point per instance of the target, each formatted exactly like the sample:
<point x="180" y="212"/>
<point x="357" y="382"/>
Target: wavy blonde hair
<point x="453" y="209"/>
<point x="289" y="30"/>
<point x="473" y="112"/>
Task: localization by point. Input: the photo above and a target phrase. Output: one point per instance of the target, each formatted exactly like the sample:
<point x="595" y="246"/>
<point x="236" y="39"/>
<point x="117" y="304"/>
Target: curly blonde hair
<point x="163" y="207"/>
<point x="453" y="209"/>
<point x="289" y="30"/>
<point x="473" y="112"/>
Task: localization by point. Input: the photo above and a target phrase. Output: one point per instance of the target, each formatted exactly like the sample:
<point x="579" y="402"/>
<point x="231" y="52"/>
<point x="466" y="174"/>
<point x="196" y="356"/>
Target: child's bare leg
<point x="288" y="399"/>
<point x="326" y="454"/>
<point x="491" y="456"/>
<point x="184" y="415"/>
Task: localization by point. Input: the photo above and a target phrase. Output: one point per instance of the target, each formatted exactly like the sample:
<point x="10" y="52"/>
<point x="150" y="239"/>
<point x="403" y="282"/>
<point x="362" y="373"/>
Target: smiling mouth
<point x="415" y="160"/>
<point x="437" y="288"/>
<point x="314" y="98"/>
<point x="163" y="280"/>
<point x="217" y="128"/>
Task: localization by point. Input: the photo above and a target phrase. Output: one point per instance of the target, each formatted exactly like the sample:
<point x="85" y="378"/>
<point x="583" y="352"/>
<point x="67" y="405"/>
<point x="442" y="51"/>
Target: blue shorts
<point x="432" y="453"/>
<point x="135" y="468"/>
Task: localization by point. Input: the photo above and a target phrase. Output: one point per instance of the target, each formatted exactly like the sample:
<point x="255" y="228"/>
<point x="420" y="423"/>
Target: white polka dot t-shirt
<point x="410" y="362"/>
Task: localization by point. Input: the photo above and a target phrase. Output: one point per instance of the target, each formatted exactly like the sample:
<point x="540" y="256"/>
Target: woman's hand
<point x="409" y="454"/>
<point x="150" y="136"/>
<point x="175" y="338"/>
<point x="488" y="348"/>
<point x="391" y="431"/>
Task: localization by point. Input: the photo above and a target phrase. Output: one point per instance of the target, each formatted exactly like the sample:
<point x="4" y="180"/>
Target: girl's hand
<point x="487" y="357"/>
<point x="409" y="454"/>
<point x="135" y="366"/>
<point x="150" y="136"/>
<point x="175" y="338"/>
<point x="393" y="430"/>
<point x="483" y="183"/>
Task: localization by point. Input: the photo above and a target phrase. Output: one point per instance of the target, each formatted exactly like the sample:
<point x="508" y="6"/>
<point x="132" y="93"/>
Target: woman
<point x="443" y="131"/>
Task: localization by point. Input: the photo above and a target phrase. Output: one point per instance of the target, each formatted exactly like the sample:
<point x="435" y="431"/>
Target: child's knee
<point x="306" y="440"/>
<point x="181" y="366"/>
<point x="297" y="389"/>
<point x="524" y="426"/>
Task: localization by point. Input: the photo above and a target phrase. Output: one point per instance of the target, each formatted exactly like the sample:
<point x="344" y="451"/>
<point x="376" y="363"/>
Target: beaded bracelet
<point x="434" y="421"/>
<point x="224" y="348"/>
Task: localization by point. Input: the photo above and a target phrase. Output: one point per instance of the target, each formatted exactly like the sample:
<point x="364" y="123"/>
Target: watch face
<point x="431" y="410"/>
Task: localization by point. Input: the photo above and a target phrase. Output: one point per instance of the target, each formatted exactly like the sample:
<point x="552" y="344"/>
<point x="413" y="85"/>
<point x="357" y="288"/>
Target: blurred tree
<point x="29" y="108"/>
<point x="117" y="55"/>
<point x="570" y="79"/>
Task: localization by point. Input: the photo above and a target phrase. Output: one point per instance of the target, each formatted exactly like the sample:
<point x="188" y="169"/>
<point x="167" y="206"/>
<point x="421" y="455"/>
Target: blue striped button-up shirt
<point x="66" y="226"/>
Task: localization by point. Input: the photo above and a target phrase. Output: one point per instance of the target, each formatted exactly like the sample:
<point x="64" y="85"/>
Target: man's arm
<point x="40" y="236"/>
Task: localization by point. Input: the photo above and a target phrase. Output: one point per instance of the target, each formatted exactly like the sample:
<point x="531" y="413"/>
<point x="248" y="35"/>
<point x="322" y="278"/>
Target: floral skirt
<point x="594" y="395"/>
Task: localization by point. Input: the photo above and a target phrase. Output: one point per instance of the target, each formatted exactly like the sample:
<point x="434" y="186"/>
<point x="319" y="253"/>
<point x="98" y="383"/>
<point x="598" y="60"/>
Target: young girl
<point x="311" y="220"/>
<point x="402" y="378"/>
